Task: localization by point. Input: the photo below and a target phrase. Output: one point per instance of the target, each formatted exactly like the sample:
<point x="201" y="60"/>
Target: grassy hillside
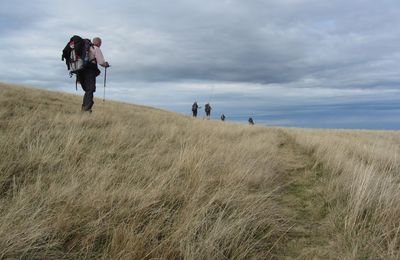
<point x="134" y="182"/>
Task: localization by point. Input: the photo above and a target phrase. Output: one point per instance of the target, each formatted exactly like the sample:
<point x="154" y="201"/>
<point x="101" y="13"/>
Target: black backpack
<point x="76" y="54"/>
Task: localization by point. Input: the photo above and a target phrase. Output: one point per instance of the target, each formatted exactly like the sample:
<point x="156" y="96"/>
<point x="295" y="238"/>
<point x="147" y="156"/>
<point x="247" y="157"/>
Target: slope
<point x="134" y="182"/>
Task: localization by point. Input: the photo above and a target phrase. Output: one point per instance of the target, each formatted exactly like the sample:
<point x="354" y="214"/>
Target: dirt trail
<point x="302" y="200"/>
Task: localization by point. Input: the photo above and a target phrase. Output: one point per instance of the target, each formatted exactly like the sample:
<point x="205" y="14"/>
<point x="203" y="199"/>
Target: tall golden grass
<point x="362" y="188"/>
<point x="135" y="182"/>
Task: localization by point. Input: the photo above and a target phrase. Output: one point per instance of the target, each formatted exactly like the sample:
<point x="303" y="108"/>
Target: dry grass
<point x="130" y="182"/>
<point x="134" y="182"/>
<point x="363" y="192"/>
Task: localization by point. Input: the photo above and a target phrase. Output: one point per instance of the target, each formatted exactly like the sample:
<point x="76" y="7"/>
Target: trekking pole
<point x="105" y="78"/>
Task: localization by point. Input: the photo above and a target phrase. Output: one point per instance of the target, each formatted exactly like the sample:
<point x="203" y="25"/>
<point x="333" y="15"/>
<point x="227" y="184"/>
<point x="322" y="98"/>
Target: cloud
<point x="254" y="55"/>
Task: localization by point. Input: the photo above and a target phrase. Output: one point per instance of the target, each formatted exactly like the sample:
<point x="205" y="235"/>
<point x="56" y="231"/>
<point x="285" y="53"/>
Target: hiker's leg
<point x="90" y="88"/>
<point x="80" y="77"/>
<point x="87" y="101"/>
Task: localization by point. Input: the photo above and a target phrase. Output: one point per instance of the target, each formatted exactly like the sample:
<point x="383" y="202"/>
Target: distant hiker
<point x="207" y="108"/>
<point x="223" y="117"/>
<point x="87" y="77"/>
<point x="194" y="109"/>
<point x="251" y="122"/>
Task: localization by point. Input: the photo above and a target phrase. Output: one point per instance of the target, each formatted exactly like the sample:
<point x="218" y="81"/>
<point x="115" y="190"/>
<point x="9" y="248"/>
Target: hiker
<point x="207" y="108"/>
<point x="223" y="117"/>
<point x="87" y="77"/>
<point x="251" y="122"/>
<point x="194" y="108"/>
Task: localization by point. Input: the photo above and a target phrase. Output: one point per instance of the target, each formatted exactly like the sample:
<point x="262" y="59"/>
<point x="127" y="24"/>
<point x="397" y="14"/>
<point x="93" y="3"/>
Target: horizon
<point x="291" y="63"/>
<point x="269" y="120"/>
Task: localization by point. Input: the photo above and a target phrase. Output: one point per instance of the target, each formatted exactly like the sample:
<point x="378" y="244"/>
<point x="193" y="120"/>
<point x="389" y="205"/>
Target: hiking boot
<point x="83" y="110"/>
<point x="87" y="108"/>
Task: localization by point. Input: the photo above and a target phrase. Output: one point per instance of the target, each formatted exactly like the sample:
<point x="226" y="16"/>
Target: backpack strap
<point x="94" y="59"/>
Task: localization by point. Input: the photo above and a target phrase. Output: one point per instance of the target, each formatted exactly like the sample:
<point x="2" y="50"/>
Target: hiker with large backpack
<point x="82" y="57"/>
<point x="194" y="108"/>
<point x="207" y="109"/>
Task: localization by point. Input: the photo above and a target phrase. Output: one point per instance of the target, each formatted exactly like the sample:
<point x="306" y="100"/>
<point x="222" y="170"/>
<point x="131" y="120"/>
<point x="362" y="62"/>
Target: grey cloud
<point x="265" y="42"/>
<point x="257" y="50"/>
<point x="277" y="55"/>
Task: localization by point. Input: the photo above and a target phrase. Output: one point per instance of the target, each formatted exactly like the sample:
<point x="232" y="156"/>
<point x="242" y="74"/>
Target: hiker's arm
<point x="100" y="58"/>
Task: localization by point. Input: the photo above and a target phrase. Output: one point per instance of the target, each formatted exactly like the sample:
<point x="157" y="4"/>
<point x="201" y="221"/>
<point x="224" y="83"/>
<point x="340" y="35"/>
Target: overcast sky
<point x="301" y="63"/>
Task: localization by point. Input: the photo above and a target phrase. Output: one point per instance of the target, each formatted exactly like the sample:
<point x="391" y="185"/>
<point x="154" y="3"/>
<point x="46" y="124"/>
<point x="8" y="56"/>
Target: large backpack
<point x="76" y="54"/>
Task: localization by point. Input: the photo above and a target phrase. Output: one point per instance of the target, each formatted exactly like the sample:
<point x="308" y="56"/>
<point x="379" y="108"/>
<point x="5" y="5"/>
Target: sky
<point x="291" y="63"/>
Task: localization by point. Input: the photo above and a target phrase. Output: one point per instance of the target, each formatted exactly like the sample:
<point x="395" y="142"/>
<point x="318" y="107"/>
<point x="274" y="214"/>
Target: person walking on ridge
<point x="251" y="122"/>
<point x="87" y="77"/>
<point x="194" y="108"/>
<point x="208" y="108"/>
